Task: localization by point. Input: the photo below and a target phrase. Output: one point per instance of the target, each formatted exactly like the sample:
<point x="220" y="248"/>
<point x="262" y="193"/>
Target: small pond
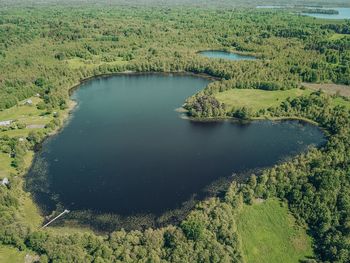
<point x="127" y="151"/>
<point x="225" y="55"/>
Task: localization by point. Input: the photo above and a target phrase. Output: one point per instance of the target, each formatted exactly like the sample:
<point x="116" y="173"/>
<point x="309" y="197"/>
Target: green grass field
<point x="337" y="36"/>
<point x="257" y="99"/>
<point x="261" y="99"/>
<point x="26" y="114"/>
<point x="11" y="255"/>
<point x="76" y="63"/>
<point x="21" y="111"/>
<point x="341" y="102"/>
<point x="269" y="234"/>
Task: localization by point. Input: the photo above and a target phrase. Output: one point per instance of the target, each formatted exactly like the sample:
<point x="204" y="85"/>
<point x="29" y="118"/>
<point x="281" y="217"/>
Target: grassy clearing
<point x="30" y="212"/>
<point x="341" y="102"/>
<point x="269" y="234"/>
<point x="21" y="111"/>
<point x="76" y="63"/>
<point x="337" y="36"/>
<point x="5" y="165"/>
<point x="11" y="255"/>
<point x="257" y="99"/>
<point x="28" y="115"/>
<point x="261" y="99"/>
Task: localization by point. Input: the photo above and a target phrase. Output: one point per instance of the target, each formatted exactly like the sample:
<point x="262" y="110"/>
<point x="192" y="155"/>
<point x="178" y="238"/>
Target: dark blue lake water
<point x="126" y="150"/>
<point x="225" y="55"/>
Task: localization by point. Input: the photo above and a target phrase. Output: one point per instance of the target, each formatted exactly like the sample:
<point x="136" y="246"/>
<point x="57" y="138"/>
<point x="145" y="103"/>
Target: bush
<point x="242" y="113"/>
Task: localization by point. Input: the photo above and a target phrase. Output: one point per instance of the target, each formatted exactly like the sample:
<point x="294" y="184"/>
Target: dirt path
<point x="331" y="89"/>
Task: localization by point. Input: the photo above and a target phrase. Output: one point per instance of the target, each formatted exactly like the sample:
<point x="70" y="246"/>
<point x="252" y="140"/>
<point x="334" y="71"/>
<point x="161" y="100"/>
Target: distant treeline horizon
<point x="197" y="3"/>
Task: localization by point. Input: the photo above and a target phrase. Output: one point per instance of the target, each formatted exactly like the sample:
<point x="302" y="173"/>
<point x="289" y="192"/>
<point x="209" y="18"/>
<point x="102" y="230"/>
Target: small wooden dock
<point x="48" y="223"/>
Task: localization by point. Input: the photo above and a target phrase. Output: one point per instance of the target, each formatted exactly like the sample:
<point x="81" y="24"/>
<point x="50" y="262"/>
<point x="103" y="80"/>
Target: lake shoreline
<point x="240" y="55"/>
<point x="262" y="118"/>
<point x="89" y="219"/>
<point x="234" y="52"/>
<point x="67" y="113"/>
<point x="73" y="104"/>
<point x="138" y="73"/>
<point x="66" y="118"/>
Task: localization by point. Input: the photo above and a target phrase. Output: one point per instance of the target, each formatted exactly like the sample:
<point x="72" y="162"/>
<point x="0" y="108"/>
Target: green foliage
<point x="6" y="149"/>
<point x="47" y="51"/>
<point x="35" y="137"/>
<point x="242" y="113"/>
<point x="256" y="100"/>
<point x="193" y="229"/>
<point x="203" y="106"/>
<point x="315" y="184"/>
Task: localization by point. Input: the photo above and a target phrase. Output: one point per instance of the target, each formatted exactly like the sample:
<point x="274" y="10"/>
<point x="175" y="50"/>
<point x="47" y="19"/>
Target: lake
<point x="344" y="13"/>
<point x="126" y="150"/>
<point x="225" y="55"/>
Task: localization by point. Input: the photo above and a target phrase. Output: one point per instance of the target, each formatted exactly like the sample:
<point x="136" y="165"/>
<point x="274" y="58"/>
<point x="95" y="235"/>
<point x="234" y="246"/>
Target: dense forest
<point x="47" y="51"/>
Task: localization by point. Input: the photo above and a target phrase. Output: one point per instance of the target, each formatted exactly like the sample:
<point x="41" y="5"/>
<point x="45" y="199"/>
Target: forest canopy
<point x="45" y="51"/>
